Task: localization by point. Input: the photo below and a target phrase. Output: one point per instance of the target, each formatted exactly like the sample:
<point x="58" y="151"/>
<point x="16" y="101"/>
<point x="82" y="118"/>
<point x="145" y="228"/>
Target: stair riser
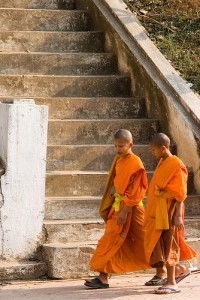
<point x="51" y="41"/>
<point x="43" y="20"/>
<point x="192" y="228"/>
<point x="57" y="64"/>
<point x="91" y="158"/>
<point x="23" y="271"/>
<point x="86" y="108"/>
<point x="79" y="184"/>
<point x="69" y="233"/>
<point x="50" y="4"/>
<point x="71" y="209"/>
<point x="50" y="86"/>
<point x="192" y="206"/>
<point x="98" y="131"/>
<point x="88" y="209"/>
<point x="74" y="262"/>
<point x="72" y="232"/>
<point x="68" y="263"/>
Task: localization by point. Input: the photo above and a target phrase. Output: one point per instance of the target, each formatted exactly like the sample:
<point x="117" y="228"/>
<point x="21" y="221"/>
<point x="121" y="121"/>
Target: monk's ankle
<point x="160" y="272"/>
<point x="103" y="277"/>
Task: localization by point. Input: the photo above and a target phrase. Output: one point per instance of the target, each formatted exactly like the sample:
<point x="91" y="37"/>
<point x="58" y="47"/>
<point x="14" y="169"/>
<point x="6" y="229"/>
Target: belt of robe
<point x="118" y="199"/>
<point x="161" y="215"/>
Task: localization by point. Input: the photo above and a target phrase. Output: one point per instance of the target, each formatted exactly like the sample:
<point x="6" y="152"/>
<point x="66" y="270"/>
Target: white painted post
<point x="23" y="144"/>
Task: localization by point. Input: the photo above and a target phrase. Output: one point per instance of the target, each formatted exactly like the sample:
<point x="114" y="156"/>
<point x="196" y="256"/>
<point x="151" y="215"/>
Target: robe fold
<point x="163" y="245"/>
<point x="121" y="248"/>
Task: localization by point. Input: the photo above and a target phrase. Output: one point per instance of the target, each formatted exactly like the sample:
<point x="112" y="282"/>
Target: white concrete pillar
<point x="23" y="144"/>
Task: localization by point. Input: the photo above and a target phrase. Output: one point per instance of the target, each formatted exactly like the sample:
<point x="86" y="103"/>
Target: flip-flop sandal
<point x="156" y="281"/>
<point x="182" y="276"/>
<point x="96" y="284"/>
<point x="166" y="290"/>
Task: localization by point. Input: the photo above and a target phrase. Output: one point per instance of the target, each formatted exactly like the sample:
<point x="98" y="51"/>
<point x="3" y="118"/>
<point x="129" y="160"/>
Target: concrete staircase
<point x="50" y="53"/>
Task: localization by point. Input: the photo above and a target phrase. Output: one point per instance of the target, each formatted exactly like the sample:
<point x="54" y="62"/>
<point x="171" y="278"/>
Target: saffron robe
<point x="121" y="248"/>
<point x="168" y="185"/>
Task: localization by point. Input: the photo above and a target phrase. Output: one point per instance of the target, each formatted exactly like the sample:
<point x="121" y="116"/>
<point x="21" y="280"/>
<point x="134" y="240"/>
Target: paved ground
<point x="122" y="287"/>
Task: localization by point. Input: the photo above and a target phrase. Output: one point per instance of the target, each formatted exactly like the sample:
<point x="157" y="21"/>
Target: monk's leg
<point x="171" y="282"/>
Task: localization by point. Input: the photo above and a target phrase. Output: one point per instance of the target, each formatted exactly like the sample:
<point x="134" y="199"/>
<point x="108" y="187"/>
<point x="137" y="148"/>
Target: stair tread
<point x="65" y="76"/>
<point x="99" y="197"/>
<point x="100" y="120"/>
<point x="70" y="245"/>
<point x="73" y="221"/>
<point x="96" y="145"/>
<point x="49" y="32"/>
<point x="97" y="221"/>
<point x="43" y="9"/>
<point x="73" y="198"/>
<point x="57" y="53"/>
<point x="90" y="243"/>
<point x="15" y="263"/>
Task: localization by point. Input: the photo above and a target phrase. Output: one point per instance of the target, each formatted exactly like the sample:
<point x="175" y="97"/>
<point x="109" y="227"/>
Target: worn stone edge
<point x="170" y="77"/>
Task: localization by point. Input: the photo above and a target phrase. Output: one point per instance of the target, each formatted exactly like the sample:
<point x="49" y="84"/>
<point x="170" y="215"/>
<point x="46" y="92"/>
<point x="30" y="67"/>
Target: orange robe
<point x="169" y="184"/>
<point x="121" y="248"/>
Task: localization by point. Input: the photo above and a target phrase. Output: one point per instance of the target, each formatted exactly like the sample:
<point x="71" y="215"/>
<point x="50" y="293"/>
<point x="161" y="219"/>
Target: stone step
<point x="192" y="226"/>
<point x="86" y="207"/>
<point x="71" y="260"/>
<point x="82" y="132"/>
<point x="72" y="86"/>
<point x="192" y="205"/>
<point x="43" y="20"/>
<point x="69" y="208"/>
<point x="91" y="157"/>
<point x="50" y="4"/>
<point x="57" y="64"/>
<point x="69" y="231"/>
<point x="68" y="260"/>
<point x="44" y="41"/>
<point x="21" y="270"/>
<point x="81" y="183"/>
<point x="86" y="108"/>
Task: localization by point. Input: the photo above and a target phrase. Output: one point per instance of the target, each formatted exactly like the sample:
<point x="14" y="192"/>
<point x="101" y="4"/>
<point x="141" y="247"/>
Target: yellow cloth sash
<point x="118" y="199"/>
<point x="161" y="216"/>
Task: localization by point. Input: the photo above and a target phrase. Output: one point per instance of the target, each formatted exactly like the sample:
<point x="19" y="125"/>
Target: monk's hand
<point x="123" y="216"/>
<point x="178" y="222"/>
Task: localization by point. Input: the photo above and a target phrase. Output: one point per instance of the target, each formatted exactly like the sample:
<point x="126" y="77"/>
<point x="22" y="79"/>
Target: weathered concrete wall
<point x="168" y="97"/>
<point x="23" y="135"/>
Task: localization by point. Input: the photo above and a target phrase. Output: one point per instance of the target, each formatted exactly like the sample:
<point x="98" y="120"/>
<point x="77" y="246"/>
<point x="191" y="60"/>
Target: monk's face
<point x="158" y="152"/>
<point x="122" y="147"/>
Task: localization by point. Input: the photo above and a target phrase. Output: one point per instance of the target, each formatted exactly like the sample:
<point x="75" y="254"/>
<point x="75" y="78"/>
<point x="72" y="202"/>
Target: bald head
<point x="124" y="134"/>
<point x="160" y="139"/>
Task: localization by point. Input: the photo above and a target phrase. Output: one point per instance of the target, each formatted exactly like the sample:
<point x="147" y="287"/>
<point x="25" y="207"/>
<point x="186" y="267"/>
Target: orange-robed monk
<point x="121" y="248"/>
<point x="164" y="243"/>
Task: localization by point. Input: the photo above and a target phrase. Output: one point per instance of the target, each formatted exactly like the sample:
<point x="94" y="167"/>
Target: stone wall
<point x="23" y="135"/>
<point x="168" y="97"/>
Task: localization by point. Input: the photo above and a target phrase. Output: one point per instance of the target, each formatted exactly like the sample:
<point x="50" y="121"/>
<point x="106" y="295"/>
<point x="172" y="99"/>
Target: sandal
<point x="182" y="276"/>
<point x="96" y="284"/>
<point x="156" y="281"/>
<point x="166" y="290"/>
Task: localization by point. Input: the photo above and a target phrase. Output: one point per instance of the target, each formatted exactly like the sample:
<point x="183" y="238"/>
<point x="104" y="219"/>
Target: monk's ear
<point x="163" y="148"/>
<point x="131" y="145"/>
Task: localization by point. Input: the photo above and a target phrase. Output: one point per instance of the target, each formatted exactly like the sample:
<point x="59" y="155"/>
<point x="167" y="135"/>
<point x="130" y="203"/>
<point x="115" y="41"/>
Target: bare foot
<point x="180" y="269"/>
<point x="167" y="289"/>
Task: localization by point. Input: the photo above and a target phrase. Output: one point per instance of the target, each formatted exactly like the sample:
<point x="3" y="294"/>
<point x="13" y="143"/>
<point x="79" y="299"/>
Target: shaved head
<point x="124" y="134"/>
<point x="160" y="139"/>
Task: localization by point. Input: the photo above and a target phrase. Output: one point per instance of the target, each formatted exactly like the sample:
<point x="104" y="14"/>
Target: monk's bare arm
<point x="178" y="219"/>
